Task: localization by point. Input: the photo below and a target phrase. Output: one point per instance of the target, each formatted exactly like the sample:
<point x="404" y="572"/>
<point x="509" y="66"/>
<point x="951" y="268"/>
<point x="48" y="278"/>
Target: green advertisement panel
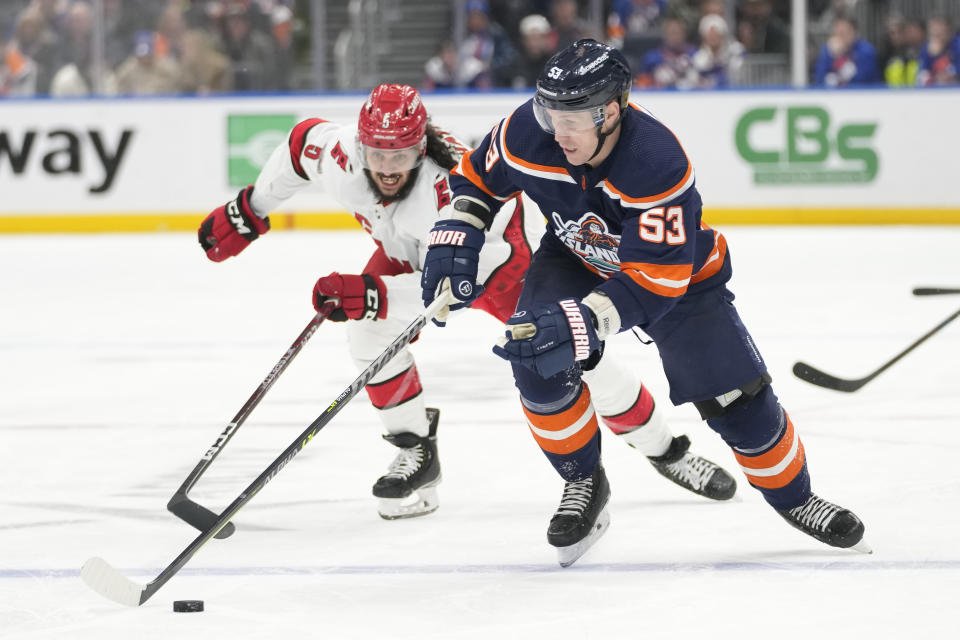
<point x="803" y="145"/>
<point x="250" y="141"/>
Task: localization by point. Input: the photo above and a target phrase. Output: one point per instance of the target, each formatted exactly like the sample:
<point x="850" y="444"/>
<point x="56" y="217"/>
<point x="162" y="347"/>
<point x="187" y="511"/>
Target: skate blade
<point x="566" y="556"/>
<point x="419" y="503"/>
<point x="862" y="547"/>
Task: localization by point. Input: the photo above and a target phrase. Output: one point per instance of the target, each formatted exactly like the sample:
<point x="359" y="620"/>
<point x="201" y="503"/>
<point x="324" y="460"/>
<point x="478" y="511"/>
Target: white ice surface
<point x="122" y="357"/>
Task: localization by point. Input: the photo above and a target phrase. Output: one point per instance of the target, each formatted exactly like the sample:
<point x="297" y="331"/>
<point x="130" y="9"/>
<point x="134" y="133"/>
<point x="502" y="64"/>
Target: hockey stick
<point x="196" y="514"/>
<point x="110" y="583"/>
<point x="933" y="291"/>
<point x="822" y="379"/>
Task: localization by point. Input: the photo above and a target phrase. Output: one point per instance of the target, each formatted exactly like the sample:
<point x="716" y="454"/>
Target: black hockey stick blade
<point x="197" y="515"/>
<point x="934" y="291"/>
<point x="822" y="379"/>
<point x="103" y="578"/>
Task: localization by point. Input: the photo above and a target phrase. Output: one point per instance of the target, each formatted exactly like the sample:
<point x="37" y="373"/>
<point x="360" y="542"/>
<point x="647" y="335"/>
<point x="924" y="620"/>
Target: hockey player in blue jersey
<point x="625" y="247"/>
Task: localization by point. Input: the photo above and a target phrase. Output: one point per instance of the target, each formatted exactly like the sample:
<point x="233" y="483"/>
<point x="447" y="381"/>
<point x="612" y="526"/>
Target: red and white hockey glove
<point x="229" y="229"/>
<point x="353" y="297"/>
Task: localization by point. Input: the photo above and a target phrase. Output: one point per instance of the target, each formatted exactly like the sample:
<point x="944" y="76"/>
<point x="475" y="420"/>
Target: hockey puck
<point x="187" y="606"/>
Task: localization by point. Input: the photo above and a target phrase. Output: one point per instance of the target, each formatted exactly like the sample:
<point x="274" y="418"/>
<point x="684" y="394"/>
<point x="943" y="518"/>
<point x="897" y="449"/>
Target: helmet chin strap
<point x="602" y="137"/>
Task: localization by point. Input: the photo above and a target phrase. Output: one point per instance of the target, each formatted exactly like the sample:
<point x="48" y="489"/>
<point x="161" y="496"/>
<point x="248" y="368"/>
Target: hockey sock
<point x="768" y="449"/>
<point x="400" y="404"/>
<point x="642" y="426"/>
<point x="569" y="436"/>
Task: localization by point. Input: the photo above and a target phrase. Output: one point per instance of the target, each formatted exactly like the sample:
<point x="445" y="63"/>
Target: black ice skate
<point x="828" y="523"/>
<point x="581" y="518"/>
<point x="692" y="472"/>
<point x="409" y="488"/>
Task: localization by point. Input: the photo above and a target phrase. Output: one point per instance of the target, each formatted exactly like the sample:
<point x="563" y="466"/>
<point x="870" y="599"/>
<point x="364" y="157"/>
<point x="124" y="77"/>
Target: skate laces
<point x="815" y="513"/>
<point x="692" y="470"/>
<point x="406" y="463"/>
<point x="576" y="497"/>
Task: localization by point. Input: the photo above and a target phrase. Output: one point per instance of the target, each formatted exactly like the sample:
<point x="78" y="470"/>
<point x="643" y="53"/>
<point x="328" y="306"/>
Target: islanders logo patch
<point x="591" y="240"/>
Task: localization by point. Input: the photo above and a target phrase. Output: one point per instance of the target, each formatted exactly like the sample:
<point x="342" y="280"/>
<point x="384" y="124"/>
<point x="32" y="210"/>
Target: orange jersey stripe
<point x="714" y="261"/>
<point x="465" y="169"/>
<point x="567" y="431"/>
<point x="660" y="197"/>
<point x="668" y="280"/>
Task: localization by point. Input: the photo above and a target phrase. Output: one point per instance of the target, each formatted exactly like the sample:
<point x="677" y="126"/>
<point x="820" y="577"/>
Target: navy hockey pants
<point x="705" y="350"/>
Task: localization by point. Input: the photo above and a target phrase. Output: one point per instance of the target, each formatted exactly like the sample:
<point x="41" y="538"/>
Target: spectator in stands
<point x="633" y="17"/>
<point x="75" y="75"/>
<point x="36" y="42"/>
<point x="762" y="31"/>
<point x="714" y="7"/>
<point x="509" y="14"/>
<point x="203" y="69"/>
<point x="567" y="24"/>
<point x="251" y="52"/>
<point x="671" y="64"/>
<point x="53" y="12"/>
<point x="146" y="73"/>
<point x="940" y="55"/>
<point x="899" y="61"/>
<point x="121" y="21"/>
<point x="446" y="70"/>
<point x="171" y="28"/>
<point x="281" y="28"/>
<point x="536" y="49"/>
<point x="719" y="59"/>
<point x="10" y="11"/>
<point x="18" y="73"/>
<point x="822" y="14"/>
<point x="76" y="41"/>
<point x="488" y="42"/>
<point x="846" y="59"/>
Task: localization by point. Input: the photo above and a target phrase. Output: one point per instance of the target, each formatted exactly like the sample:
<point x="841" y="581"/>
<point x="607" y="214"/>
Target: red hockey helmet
<point x="393" y="118"/>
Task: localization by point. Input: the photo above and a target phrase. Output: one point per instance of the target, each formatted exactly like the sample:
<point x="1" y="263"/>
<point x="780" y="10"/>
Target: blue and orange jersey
<point x="634" y="220"/>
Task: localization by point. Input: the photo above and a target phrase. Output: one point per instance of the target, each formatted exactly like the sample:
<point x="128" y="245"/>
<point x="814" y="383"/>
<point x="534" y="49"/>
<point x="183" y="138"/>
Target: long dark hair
<point x="443" y="148"/>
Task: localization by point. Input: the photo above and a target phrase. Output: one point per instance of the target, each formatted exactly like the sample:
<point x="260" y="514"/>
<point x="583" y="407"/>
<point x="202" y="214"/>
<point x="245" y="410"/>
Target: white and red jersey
<point x="324" y="154"/>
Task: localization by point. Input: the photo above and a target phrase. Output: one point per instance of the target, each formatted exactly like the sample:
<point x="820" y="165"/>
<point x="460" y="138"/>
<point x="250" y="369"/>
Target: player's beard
<point x="402" y="193"/>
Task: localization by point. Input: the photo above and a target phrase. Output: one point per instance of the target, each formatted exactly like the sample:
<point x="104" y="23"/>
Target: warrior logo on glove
<point x="578" y="329"/>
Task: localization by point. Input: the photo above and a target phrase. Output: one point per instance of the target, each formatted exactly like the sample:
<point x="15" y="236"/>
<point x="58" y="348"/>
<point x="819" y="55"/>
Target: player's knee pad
<point x="752" y="423"/>
<point x="732" y="400"/>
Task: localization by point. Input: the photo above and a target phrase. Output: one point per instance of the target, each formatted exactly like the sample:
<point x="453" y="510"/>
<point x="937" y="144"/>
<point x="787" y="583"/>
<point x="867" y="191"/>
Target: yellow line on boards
<point x="159" y="222"/>
<point x="339" y="220"/>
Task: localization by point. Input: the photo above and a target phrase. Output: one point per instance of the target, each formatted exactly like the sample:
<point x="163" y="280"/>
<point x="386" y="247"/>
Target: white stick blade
<point x="110" y="583"/>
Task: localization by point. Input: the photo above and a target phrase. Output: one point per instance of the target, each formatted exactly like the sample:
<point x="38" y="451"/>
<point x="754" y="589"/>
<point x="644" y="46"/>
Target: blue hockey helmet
<point x="585" y="76"/>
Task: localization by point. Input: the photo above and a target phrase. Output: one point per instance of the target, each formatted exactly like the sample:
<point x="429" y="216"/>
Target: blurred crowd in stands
<point x="687" y="44"/>
<point x="150" y="47"/>
<point x="209" y="46"/>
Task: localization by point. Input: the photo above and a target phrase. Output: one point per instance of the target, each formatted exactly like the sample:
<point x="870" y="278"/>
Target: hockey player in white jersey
<point x="391" y="171"/>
